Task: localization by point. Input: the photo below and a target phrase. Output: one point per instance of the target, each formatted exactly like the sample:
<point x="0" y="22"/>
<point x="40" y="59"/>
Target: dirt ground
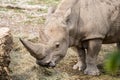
<point x="26" y="24"/>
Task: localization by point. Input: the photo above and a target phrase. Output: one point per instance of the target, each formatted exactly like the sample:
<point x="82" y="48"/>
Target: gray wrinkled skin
<point x="83" y="24"/>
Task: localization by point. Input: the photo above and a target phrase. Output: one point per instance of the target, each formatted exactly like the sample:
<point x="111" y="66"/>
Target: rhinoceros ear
<point x="66" y="17"/>
<point x="34" y="49"/>
<point x="67" y="14"/>
<point x="51" y="10"/>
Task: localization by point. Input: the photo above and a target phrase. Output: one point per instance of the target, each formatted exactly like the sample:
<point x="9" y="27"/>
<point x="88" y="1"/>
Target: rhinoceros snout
<point x="48" y="64"/>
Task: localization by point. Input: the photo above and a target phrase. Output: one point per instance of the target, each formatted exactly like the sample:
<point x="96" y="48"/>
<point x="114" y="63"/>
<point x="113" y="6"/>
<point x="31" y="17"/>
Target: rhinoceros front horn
<point x="36" y="50"/>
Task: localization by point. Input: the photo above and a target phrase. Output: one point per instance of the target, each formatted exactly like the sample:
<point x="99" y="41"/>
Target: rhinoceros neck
<point x="74" y="27"/>
<point x="74" y="37"/>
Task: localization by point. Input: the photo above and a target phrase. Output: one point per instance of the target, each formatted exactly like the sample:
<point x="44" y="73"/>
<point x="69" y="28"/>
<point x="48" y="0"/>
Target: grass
<point x="23" y="66"/>
<point x="48" y="2"/>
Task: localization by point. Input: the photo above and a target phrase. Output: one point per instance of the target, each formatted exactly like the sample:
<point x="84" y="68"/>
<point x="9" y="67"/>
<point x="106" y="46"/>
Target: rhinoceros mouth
<point x="47" y="65"/>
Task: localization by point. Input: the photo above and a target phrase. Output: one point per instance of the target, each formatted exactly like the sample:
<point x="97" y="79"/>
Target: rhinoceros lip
<point x="47" y="65"/>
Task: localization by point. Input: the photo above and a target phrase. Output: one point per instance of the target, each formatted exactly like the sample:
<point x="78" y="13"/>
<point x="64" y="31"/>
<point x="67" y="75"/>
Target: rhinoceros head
<point x="54" y="42"/>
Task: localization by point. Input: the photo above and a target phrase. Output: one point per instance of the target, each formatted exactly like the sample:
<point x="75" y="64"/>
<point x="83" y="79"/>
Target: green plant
<point x="112" y="62"/>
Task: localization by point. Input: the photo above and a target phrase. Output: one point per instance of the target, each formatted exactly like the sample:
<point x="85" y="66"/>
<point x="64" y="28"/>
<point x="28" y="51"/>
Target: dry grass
<point x="25" y="24"/>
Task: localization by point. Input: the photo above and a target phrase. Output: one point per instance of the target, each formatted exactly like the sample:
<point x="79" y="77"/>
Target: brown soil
<point x="25" y="24"/>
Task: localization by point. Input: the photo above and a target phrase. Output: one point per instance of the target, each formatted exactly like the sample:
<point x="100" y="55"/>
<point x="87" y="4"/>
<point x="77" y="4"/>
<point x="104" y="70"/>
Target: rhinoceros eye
<point x="57" y="45"/>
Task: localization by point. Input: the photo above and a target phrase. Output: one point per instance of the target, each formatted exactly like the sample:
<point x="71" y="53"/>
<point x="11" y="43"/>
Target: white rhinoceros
<point x="84" y="24"/>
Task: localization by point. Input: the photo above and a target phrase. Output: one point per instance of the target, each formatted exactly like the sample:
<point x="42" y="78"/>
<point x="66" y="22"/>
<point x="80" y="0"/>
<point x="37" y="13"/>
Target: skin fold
<point x="83" y="24"/>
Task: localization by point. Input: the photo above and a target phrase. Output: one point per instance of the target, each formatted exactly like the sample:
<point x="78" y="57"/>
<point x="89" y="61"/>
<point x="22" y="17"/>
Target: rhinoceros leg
<point x="80" y="65"/>
<point x="93" y="49"/>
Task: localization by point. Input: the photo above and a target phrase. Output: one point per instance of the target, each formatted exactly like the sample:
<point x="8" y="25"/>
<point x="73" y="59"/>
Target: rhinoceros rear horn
<point x="43" y="38"/>
<point x="34" y="49"/>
